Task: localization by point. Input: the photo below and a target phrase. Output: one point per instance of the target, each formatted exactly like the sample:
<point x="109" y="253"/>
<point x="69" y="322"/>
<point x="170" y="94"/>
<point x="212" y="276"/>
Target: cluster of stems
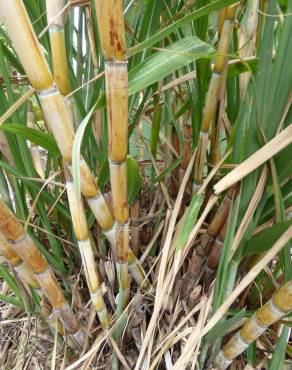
<point x="277" y="307"/>
<point x="26" y="250"/>
<point x="208" y="252"/>
<point x="86" y="250"/>
<point x="216" y="232"/>
<point x="212" y="95"/>
<point x="29" y="279"/>
<point x="57" y="115"/>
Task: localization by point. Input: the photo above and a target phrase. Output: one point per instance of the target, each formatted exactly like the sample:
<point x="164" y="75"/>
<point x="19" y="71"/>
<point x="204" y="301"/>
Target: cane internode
<point x="56" y="16"/>
<point x="278" y="306"/>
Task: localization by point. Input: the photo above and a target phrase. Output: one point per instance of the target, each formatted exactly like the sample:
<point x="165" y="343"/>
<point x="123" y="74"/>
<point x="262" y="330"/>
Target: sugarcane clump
<point x="23" y="247"/>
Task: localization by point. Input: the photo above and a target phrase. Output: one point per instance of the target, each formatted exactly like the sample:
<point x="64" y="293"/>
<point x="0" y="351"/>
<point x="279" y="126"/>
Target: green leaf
<point x="11" y="300"/>
<point x="9" y="56"/>
<point x="264" y="240"/>
<point x="10" y="280"/>
<point x="236" y="68"/>
<point x="251" y="354"/>
<point x="35" y="187"/>
<point x="134" y="180"/>
<point x="189" y="221"/>
<point x="222" y="328"/>
<point x="205" y="10"/>
<point x="38" y="137"/>
<point x="166" y="61"/>
<point x="280" y="349"/>
<point x="104" y="174"/>
<point x="165" y="172"/>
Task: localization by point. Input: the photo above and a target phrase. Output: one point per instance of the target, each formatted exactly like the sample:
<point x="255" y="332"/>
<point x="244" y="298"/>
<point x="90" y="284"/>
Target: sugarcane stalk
<point x="214" y="255"/>
<point x="221" y="214"/>
<point x="215" y="130"/>
<point x="186" y="154"/>
<point x="56" y="22"/>
<point x="86" y="250"/>
<point x="216" y="122"/>
<point x="174" y="185"/>
<point x="29" y="279"/>
<point x="26" y="249"/>
<point x="97" y="116"/>
<point x="186" y="148"/>
<point x="112" y="36"/>
<point x="48" y="314"/>
<point x="18" y="265"/>
<point x="56" y="17"/>
<point x="277" y="307"/>
<point x="134" y="266"/>
<point x="211" y="99"/>
<point x="216" y="233"/>
<point x="34" y="150"/>
<point x="194" y="272"/>
<point x="23" y="37"/>
<point x="220" y="20"/>
<point x="209" y="247"/>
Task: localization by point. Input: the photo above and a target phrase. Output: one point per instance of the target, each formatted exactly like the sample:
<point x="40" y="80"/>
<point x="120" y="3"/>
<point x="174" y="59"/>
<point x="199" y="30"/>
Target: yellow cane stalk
<point x="56" y="17"/>
<point x="86" y="251"/>
<point x="220" y="19"/>
<point x="112" y="36"/>
<point x="18" y="265"/>
<point x="56" y="23"/>
<point x="28" y="278"/>
<point x="216" y="121"/>
<point x="21" y="33"/>
<point x="211" y="99"/>
<point x="34" y="150"/>
<point x="97" y="121"/>
<point x="26" y="249"/>
<point x="278" y="306"/>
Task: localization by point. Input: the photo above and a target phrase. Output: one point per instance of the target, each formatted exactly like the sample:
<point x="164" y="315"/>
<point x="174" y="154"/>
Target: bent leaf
<point x="205" y="10"/>
<point x="223" y="328"/>
<point x="166" y="61"/>
<point x="263" y="241"/>
<point x="40" y="138"/>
